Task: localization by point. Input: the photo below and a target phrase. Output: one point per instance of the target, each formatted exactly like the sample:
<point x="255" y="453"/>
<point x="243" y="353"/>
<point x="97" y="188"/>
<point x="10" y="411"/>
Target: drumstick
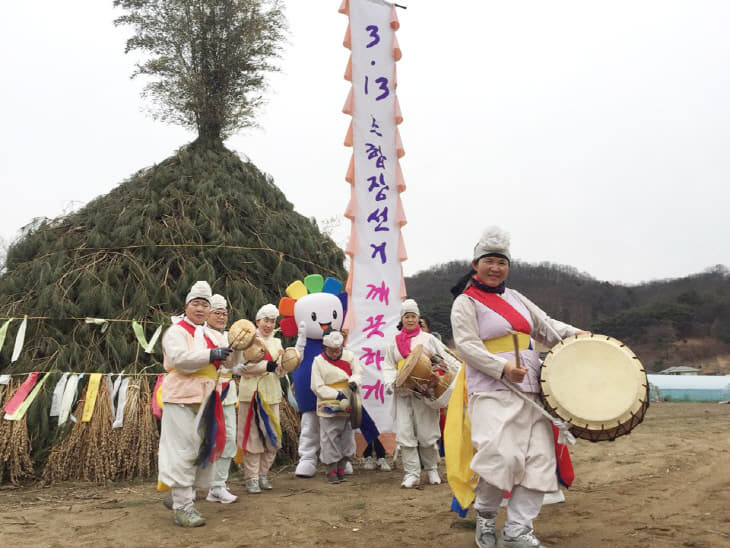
<point x="516" y="342"/>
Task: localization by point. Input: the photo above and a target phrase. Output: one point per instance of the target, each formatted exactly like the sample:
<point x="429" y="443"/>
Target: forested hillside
<point x="684" y="321"/>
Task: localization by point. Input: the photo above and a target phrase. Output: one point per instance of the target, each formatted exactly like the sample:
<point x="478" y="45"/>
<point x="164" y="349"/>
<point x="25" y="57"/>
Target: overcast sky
<point x="596" y="133"/>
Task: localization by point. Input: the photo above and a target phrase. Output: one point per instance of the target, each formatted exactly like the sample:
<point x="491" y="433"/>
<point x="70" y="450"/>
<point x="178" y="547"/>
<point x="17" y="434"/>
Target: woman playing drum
<point x="417" y="425"/>
<point x="259" y="377"/>
<point x="513" y="442"/>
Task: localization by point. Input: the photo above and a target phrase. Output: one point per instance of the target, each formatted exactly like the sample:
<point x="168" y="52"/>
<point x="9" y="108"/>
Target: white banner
<point x="375" y="285"/>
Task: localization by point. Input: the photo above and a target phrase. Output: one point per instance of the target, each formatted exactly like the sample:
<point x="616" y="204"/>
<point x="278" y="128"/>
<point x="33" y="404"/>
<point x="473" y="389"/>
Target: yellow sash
<point x="400" y="364"/>
<point x="506" y="344"/>
<point x="336" y="386"/>
<point x="207" y="372"/>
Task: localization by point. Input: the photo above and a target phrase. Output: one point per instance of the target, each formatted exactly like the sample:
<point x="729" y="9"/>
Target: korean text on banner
<point x="375" y="284"/>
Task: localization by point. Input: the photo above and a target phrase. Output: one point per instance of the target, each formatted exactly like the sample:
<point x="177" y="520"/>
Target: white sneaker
<point x="252" y="486"/>
<point x="486" y="533"/>
<point x="265" y="483"/>
<point x="348" y="468"/>
<point x="383" y="465"/>
<point x="410" y="481"/>
<point x="526" y="540"/>
<point x="433" y="477"/>
<point x="221" y="494"/>
<point x="368" y="464"/>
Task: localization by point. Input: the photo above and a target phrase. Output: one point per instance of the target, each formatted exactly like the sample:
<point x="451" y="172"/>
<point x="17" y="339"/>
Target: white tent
<point x="690" y="387"/>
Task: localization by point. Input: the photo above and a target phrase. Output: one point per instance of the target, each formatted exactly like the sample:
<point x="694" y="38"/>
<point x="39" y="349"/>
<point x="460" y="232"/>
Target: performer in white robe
<point x="334" y="372"/>
<point x="513" y="442"/>
<point x="262" y="376"/>
<point x="192" y="355"/>
<point x="218" y="488"/>
<point x="417" y="425"/>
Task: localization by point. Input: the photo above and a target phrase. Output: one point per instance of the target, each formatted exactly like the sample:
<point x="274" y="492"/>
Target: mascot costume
<point x="311" y="309"/>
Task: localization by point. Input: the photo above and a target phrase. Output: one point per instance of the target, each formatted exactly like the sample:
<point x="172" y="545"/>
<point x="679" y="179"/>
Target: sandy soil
<point x="667" y="484"/>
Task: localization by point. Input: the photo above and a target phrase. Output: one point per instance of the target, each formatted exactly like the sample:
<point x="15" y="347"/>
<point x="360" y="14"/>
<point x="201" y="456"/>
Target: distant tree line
<point x="655" y="318"/>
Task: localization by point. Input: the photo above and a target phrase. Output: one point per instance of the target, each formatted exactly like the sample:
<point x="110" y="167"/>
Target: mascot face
<point x="320" y="312"/>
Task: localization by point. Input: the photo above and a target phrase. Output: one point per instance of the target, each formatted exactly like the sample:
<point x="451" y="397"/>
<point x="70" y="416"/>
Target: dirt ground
<point x="666" y="484"/>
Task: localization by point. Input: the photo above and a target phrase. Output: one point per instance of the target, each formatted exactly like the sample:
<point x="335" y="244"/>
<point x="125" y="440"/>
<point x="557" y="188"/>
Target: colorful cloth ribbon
<point x="23" y="407"/>
<point x="21" y="393"/>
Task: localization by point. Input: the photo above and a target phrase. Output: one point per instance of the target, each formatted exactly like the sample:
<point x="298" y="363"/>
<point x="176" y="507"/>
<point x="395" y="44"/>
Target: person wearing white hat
<point x="417" y="424"/>
<point x="336" y="374"/>
<point x="218" y="491"/>
<point x="262" y="377"/>
<point x="513" y="442"/>
<point x="192" y="355"/>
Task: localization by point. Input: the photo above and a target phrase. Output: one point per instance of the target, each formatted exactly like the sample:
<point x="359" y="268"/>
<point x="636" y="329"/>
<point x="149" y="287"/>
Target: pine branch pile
<point x="133" y="254"/>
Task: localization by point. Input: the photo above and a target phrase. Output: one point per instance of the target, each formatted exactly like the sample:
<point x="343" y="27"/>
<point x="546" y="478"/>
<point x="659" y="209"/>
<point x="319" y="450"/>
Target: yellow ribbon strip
<point x="92" y="390"/>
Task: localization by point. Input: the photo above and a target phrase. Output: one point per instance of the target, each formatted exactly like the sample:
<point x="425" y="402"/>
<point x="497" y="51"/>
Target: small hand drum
<point x="417" y="374"/>
<point x="255" y="352"/>
<point x="416" y="368"/>
<point x="241" y="334"/>
<point x="596" y="384"/>
<point x="290" y="359"/>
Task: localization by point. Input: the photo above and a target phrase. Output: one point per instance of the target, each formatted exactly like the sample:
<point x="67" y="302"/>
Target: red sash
<point x="342" y="364"/>
<point x="501" y="307"/>
<point x="191" y="331"/>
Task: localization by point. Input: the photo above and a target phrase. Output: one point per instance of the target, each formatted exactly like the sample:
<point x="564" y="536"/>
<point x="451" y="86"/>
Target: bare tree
<point x="207" y="59"/>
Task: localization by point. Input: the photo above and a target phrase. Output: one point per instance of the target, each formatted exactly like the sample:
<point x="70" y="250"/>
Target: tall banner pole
<point x="375" y="284"/>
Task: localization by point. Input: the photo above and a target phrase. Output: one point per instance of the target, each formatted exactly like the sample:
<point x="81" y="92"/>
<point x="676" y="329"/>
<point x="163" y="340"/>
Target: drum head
<point x="596" y="383"/>
<point x="411" y="361"/>
<point x="256" y="351"/>
<point x="291" y="359"/>
<point x="240" y="334"/>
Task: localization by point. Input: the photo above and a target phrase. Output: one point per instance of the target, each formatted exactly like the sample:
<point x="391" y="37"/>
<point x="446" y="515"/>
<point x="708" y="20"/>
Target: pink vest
<point x="186" y="389"/>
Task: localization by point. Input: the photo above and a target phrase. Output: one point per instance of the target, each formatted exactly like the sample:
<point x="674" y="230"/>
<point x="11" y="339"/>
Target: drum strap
<point x="506" y="344"/>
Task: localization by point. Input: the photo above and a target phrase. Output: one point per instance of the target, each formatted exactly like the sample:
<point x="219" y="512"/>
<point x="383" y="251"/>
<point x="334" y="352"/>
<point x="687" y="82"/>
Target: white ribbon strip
<point x="121" y="402"/>
<point x="58" y="395"/>
<point x="69" y="397"/>
<point x="98" y="321"/>
<point x="4" y="331"/>
<point x="151" y="345"/>
<point x="19" y="339"/>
